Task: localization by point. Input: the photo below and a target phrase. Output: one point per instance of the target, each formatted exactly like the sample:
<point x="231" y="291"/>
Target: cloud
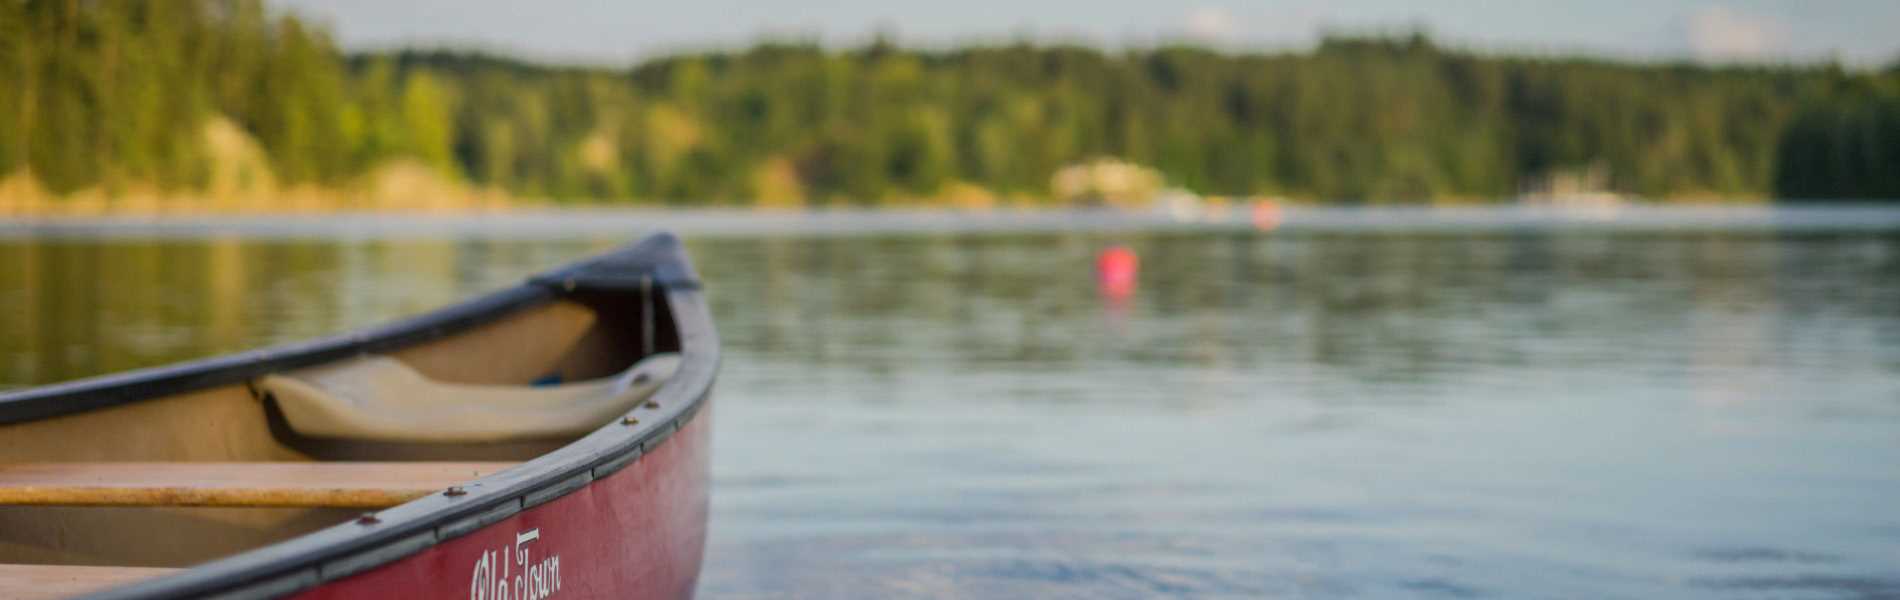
<point x="1211" y="24"/>
<point x="1718" y="33"/>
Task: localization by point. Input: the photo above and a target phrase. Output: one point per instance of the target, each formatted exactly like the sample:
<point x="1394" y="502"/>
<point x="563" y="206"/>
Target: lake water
<point x="1605" y="410"/>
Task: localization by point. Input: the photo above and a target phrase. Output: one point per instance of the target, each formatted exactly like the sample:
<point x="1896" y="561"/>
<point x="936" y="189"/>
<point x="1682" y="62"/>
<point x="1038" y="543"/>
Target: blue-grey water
<point x="1393" y="408"/>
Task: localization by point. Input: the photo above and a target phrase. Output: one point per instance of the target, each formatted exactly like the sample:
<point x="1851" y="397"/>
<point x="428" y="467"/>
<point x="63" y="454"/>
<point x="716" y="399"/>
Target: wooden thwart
<point x="35" y="582"/>
<point x="252" y="484"/>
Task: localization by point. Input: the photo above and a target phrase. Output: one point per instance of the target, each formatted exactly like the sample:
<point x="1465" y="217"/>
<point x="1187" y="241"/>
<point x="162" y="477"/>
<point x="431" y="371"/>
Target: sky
<point x="1858" y="32"/>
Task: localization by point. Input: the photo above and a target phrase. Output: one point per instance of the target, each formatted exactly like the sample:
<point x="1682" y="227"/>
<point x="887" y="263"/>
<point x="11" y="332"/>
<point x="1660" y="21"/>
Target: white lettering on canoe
<point x="514" y="573"/>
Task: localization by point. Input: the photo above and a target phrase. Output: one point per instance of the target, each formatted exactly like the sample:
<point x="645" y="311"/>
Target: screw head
<point x="629" y="421"/>
<point x="368" y="519"/>
<point x="652" y="404"/>
<point x="455" y="490"/>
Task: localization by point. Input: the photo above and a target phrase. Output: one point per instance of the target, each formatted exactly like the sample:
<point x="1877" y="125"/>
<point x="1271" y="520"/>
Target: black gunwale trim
<point x="260" y="572"/>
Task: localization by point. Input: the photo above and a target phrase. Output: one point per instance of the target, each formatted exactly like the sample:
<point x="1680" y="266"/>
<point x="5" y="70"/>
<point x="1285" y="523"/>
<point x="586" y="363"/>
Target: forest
<point x="188" y="97"/>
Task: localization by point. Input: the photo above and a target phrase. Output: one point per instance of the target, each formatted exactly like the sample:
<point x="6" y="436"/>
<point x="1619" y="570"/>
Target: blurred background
<point x="213" y="106"/>
<point x="1069" y="299"/>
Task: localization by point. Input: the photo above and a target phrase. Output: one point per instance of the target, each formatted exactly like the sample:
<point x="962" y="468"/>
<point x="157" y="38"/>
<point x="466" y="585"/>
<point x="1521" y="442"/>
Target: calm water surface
<point x="1544" y="414"/>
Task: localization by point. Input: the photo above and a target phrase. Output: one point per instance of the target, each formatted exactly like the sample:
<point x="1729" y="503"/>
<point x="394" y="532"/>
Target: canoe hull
<point x="619" y="512"/>
<point x="638" y="533"/>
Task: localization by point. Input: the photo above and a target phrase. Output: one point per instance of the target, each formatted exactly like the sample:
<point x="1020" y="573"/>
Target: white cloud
<point x="1211" y="24"/>
<point x="1718" y="33"/>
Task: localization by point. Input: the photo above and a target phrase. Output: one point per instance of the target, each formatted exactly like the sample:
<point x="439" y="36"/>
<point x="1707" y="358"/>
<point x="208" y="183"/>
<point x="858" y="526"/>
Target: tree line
<point x="114" y="94"/>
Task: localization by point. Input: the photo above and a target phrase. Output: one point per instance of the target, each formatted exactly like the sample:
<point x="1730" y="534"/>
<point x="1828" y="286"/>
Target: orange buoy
<point x="1266" y="215"/>
<point x="1116" y="270"/>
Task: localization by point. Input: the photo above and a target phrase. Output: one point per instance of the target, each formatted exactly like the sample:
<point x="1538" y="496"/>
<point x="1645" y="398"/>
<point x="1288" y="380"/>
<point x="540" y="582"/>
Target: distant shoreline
<point x="224" y="106"/>
<point x="585" y="223"/>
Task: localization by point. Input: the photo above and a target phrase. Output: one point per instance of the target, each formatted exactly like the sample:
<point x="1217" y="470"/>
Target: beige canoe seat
<point x="378" y="398"/>
<point x="234" y="484"/>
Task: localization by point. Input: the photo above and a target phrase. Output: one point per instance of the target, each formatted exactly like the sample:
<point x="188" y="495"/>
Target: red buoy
<point x="1266" y="215"/>
<point x="1116" y="270"/>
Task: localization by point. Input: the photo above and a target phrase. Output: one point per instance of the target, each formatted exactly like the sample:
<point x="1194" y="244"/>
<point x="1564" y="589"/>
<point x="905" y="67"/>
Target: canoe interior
<point x="577" y="336"/>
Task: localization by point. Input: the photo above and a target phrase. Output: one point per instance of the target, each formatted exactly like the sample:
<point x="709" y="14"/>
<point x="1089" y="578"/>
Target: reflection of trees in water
<point x="1388" y="309"/>
<point x="978" y="298"/>
<point x="77" y="308"/>
<point x="1385" y="308"/>
<point x="20" y="297"/>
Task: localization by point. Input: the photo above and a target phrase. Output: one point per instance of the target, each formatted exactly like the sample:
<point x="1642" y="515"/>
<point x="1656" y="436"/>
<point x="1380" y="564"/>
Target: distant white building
<point x="1581" y="187"/>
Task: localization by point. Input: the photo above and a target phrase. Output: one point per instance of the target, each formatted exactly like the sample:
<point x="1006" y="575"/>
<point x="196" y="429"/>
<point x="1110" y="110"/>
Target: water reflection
<point x="1406" y="309"/>
<point x="74" y="308"/>
<point x="1520" y="415"/>
<point x="1552" y="414"/>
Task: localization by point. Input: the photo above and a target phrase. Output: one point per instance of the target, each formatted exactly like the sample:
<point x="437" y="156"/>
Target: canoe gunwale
<point x="339" y="551"/>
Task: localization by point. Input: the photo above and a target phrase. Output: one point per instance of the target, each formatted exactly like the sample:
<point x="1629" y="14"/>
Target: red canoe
<point x="544" y="441"/>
